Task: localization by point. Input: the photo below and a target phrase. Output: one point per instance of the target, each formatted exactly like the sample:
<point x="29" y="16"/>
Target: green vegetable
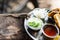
<point x="33" y="24"/>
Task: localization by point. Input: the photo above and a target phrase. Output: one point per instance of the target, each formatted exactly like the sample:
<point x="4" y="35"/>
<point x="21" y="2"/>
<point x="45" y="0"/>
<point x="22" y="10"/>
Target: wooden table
<point x="22" y="33"/>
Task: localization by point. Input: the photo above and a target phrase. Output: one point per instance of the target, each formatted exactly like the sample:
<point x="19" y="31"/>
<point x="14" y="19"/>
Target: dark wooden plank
<point x="15" y="14"/>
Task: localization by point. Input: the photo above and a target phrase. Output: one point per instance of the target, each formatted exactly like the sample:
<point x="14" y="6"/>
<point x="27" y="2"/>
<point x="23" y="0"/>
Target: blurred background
<point x="21" y="6"/>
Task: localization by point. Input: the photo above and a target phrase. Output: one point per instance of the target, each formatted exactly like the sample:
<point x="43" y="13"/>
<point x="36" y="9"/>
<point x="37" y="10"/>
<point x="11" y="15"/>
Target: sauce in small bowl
<point x="50" y="30"/>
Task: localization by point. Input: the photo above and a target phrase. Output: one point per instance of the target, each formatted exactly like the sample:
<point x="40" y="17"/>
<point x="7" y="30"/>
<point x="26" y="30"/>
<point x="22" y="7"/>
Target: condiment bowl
<point x="37" y="20"/>
<point x="47" y="28"/>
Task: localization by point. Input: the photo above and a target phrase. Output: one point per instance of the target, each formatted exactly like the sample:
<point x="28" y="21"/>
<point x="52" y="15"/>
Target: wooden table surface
<point x="22" y="33"/>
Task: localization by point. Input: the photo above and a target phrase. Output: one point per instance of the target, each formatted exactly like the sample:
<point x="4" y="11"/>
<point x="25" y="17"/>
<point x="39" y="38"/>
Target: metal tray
<point x="34" y="34"/>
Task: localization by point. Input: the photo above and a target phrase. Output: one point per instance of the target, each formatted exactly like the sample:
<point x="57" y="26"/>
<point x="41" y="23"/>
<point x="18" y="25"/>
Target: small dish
<point x="39" y="13"/>
<point x="34" y="23"/>
<point x="49" y="30"/>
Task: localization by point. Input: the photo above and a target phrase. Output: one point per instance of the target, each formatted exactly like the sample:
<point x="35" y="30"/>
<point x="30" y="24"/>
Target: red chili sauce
<point x="50" y="30"/>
